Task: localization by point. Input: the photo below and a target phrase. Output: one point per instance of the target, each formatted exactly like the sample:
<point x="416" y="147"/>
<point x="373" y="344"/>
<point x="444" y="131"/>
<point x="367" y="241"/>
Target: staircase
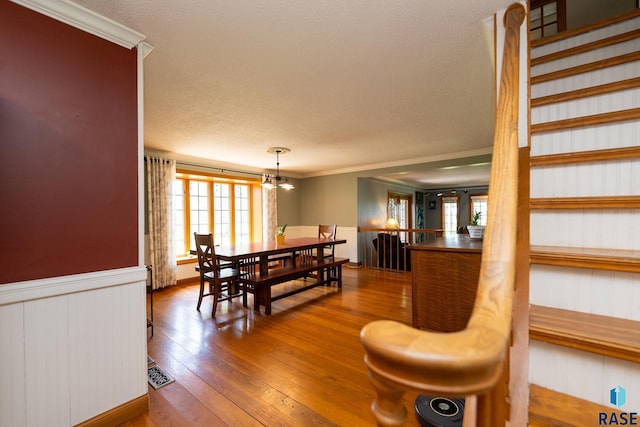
<point x="584" y="281"/>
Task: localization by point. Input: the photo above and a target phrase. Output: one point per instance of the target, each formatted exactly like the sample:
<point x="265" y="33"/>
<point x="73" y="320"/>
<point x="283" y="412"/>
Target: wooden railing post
<point x="388" y="407"/>
<point x="471" y="361"/>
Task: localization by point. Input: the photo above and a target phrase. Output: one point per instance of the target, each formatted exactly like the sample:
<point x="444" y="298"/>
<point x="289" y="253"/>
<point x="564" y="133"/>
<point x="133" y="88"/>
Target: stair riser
<point x="599" y="34"/>
<point x="615" y="135"/>
<point x="588" y="291"/>
<point x="591" y="228"/>
<point x="583" y="375"/>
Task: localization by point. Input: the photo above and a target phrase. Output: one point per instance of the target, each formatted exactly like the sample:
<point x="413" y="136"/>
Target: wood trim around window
<point x="561" y="6"/>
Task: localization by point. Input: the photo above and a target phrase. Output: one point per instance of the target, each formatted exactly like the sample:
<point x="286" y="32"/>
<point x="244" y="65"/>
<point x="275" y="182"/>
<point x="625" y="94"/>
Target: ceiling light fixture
<point x="273" y="181"/>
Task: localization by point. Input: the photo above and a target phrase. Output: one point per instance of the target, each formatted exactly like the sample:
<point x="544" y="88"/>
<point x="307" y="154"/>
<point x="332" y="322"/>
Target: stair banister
<point x="468" y="362"/>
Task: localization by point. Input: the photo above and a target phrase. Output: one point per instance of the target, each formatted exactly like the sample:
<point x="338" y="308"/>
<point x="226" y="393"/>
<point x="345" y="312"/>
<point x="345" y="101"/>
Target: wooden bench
<point x="260" y="283"/>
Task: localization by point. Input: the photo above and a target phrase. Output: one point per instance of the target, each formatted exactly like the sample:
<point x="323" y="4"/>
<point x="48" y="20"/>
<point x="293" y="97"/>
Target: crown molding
<point x="401" y="163"/>
<point x="145" y="48"/>
<point x="85" y="20"/>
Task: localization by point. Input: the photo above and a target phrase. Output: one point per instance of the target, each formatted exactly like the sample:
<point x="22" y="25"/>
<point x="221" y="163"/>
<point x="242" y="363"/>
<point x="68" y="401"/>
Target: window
<point x="212" y="204"/>
<point x="450" y="214"/>
<point x="242" y="212"/>
<point x="479" y="204"/>
<point x="198" y="209"/>
<point x="221" y="214"/>
<point x="399" y="209"/>
<point x="546" y="18"/>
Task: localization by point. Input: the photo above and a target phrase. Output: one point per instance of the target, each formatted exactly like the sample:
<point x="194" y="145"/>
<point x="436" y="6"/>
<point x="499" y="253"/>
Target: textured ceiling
<point x="346" y="85"/>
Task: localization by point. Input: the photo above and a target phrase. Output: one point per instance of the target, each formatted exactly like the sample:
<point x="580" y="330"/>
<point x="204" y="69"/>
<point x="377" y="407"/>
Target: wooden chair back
<point x="327" y="232"/>
<point x="207" y="261"/>
<point x="224" y="284"/>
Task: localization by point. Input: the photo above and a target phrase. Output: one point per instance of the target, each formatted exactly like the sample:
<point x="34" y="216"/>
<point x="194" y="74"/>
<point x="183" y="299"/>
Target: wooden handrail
<point x="468" y="362"/>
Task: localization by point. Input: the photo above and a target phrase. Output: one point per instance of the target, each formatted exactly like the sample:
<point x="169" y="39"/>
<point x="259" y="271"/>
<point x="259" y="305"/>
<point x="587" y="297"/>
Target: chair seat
<point x="225" y="273"/>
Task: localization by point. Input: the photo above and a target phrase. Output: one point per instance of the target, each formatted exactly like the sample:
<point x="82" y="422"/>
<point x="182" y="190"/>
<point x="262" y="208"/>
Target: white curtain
<point x="161" y="252"/>
<point x="269" y="213"/>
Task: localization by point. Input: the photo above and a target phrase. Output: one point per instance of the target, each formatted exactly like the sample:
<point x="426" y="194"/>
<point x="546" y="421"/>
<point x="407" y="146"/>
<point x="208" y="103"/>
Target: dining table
<point x="267" y="250"/>
<point x="309" y="252"/>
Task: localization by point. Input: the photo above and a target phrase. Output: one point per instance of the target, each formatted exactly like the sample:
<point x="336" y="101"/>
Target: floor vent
<point x="158" y="377"/>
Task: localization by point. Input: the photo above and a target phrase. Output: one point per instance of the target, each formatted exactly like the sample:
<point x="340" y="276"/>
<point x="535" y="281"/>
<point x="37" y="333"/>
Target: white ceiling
<point x="346" y="85"/>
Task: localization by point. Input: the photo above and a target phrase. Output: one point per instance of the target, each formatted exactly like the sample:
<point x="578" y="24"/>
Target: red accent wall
<point x="68" y="149"/>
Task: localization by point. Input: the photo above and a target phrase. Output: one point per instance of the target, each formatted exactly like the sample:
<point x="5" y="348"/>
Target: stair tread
<point x="602" y="155"/>
<point x="620" y="254"/>
<point x="586" y="202"/>
<point x="586" y="92"/>
<point x="593" y="258"/>
<point x="585" y="68"/>
<point x="592" y="120"/>
<point x="599" y="334"/>
<point x="549" y="408"/>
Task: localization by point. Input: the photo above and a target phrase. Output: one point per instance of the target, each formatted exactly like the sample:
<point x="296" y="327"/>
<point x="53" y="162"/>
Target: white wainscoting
<point x="591" y="78"/>
<point x="613" y="135"/>
<point x="73" y="347"/>
<point x="596" y="228"/>
<point x="187" y="271"/>
<point x="602" y="292"/>
<point x="348" y="250"/>
<point x="599" y="104"/>
<point x="611" y="178"/>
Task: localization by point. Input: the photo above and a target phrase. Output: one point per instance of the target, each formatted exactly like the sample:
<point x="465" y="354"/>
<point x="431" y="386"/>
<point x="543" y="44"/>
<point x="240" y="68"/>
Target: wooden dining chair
<point x="324" y="232"/>
<point x="223" y="280"/>
<point x="327" y="232"/>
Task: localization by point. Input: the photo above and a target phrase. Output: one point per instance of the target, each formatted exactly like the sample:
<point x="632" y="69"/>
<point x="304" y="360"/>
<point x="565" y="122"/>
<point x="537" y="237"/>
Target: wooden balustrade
<point x="386" y="248"/>
<point x="471" y="361"/>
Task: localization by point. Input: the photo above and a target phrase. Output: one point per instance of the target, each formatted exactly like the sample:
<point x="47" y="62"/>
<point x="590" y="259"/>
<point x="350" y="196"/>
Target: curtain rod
<point x="463" y="188"/>
<point x="216" y="168"/>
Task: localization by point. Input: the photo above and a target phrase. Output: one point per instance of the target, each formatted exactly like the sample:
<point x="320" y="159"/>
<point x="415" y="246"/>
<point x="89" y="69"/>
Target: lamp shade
<point x="285" y="184"/>
<point x="268" y="182"/>
<point x="273" y="181"/>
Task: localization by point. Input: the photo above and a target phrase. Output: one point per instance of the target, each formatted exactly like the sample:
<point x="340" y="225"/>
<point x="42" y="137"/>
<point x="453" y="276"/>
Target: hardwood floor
<point x="301" y="366"/>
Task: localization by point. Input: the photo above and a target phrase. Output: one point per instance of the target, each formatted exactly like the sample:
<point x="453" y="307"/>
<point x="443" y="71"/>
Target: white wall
<point x="72" y="347"/>
<point x="584" y="12"/>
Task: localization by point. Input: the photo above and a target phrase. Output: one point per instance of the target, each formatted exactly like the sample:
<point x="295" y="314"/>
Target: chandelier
<point x="273" y="181"/>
